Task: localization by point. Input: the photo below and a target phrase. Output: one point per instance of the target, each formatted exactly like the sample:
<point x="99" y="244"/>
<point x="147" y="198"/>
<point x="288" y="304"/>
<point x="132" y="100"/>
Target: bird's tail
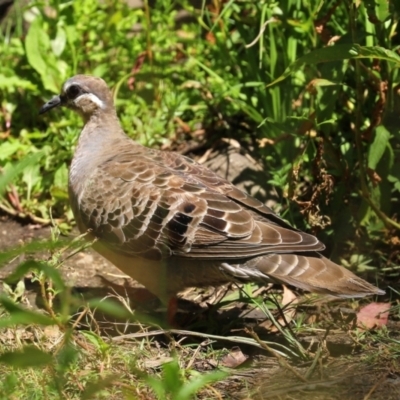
<point x="315" y="273"/>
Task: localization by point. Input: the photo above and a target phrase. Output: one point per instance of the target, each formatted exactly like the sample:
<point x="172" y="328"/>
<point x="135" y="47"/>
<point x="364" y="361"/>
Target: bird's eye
<point x="73" y="92"/>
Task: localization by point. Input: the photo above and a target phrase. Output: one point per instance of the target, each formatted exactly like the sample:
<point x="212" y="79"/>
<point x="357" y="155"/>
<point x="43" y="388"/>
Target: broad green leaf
<point x="337" y="53"/>
<point x="19" y="167"/>
<point x="31" y="176"/>
<point x="61" y="176"/>
<point x="378" y="146"/>
<point x="378" y="9"/>
<point x="96" y="340"/>
<point x="59" y="188"/>
<point x="29" y="356"/>
<point x="36" y="42"/>
<point x="40" y="57"/>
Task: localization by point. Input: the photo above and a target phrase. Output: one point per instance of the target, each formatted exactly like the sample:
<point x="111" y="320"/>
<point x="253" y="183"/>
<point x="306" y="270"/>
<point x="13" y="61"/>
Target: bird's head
<point x="85" y="94"/>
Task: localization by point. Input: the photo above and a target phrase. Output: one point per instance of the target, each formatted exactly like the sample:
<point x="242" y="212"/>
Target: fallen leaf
<point x="289" y="299"/>
<point x="234" y="358"/>
<point x="373" y="315"/>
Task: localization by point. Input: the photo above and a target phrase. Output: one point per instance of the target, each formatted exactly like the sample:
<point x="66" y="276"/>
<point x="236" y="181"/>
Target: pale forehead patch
<point x="68" y="84"/>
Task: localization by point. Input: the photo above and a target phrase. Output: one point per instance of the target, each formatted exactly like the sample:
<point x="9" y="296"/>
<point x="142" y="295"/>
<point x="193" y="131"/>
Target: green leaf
<point x="44" y="267"/>
<point x="378" y="146"/>
<point x="337" y="53"/>
<point x="382" y="9"/>
<point x="195" y="384"/>
<point x="68" y="353"/>
<point x="61" y="176"/>
<point x="7" y="149"/>
<point x="210" y="72"/>
<point x="13" y="172"/>
<point x="94" y="387"/>
<point x="34" y="246"/>
<point x="20" y="315"/>
<point x="96" y="340"/>
<point x="29" y="356"/>
<point x="173" y="385"/>
<point x="59" y="42"/>
<point x="58" y="190"/>
<point x="40" y="57"/>
<point x="111" y="308"/>
<point x="14" y="83"/>
<point x="323" y="82"/>
<point x="31" y="176"/>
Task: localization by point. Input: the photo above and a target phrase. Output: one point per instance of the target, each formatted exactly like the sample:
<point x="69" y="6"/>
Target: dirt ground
<point x="340" y="372"/>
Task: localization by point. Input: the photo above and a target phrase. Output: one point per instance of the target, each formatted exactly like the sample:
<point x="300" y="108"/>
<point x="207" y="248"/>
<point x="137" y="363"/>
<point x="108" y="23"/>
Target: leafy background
<point x="328" y="134"/>
<point x="309" y="88"/>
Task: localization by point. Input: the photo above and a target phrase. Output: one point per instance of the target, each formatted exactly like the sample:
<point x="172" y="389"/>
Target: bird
<point x="171" y="223"/>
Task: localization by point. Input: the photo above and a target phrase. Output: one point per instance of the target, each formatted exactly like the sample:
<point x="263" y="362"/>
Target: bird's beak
<point x="54" y="102"/>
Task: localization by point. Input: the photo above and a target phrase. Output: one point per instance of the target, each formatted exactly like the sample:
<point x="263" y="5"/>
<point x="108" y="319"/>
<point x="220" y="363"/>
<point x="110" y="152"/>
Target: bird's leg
<point x="142" y="295"/>
<point x="172" y="308"/>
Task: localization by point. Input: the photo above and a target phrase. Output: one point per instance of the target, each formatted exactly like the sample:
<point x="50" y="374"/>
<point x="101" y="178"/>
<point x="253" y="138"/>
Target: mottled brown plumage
<point x="171" y="223"/>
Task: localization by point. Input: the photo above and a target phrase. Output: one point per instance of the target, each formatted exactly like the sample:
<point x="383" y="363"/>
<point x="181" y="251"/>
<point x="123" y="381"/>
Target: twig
<point x="81" y="315"/>
<point x="234" y="339"/>
<point x="314" y="363"/>
<point x="191" y="361"/>
<point x="282" y="362"/>
<point x="377" y="384"/>
<point x="22" y="215"/>
<point x="385" y="219"/>
<point x="257" y="38"/>
<point x="46" y="302"/>
<point x="216" y="392"/>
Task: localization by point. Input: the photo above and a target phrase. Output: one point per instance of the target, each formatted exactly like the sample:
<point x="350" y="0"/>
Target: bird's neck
<point x="100" y="128"/>
<point x="100" y="134"/>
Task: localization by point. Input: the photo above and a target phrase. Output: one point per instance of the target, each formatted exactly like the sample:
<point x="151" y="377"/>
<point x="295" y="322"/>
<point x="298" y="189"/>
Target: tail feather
<point x="315" y="273"/>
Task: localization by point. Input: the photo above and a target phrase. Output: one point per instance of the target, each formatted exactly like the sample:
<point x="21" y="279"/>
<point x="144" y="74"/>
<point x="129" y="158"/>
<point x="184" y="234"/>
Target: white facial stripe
<point x="92" y="97"/>
<point x="67" y="85"/>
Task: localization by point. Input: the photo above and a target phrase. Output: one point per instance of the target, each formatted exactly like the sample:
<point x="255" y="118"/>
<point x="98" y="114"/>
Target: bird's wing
<point x="155" y="204"/>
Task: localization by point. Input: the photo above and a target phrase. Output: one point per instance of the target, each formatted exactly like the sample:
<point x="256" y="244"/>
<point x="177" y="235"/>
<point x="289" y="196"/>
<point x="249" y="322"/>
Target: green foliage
<point x="28" y="357"/>
<point x="173" y="384"/>
<point x="220" y="68"/>
<point x="58" y="365"/>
